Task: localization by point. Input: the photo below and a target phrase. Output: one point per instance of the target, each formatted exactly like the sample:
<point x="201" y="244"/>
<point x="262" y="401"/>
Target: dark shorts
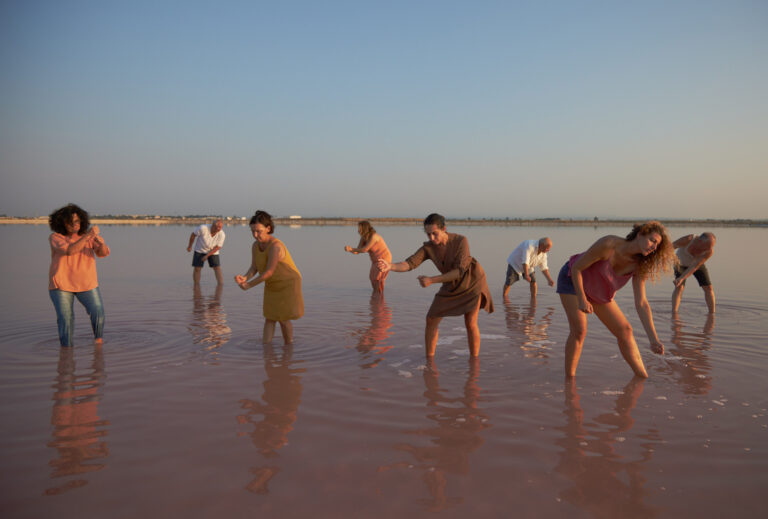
<point x="564" y="281"/>
<point x="213" y="260"/>
<point x="513" y="276"/>
<point x="701" y="274"/>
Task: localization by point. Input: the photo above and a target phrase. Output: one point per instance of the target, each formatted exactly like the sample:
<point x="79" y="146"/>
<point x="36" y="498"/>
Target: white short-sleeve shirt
<point x="206" y="242"/>
<point x="527" y="253"/>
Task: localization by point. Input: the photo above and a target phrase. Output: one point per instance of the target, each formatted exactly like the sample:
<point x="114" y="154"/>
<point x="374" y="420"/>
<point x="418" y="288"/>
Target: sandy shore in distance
<point x="510" y="222"/>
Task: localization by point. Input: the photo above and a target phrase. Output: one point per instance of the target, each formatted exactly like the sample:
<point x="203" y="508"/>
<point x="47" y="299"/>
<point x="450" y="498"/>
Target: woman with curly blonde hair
<point x="588" y="282"/>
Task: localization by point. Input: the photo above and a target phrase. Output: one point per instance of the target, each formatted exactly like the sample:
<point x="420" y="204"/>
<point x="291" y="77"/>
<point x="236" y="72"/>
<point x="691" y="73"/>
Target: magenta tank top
<point x="600" y="281"/>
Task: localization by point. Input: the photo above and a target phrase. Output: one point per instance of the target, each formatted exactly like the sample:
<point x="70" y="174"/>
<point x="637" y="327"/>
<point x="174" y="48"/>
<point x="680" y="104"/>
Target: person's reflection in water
<point x="208" y="325"/>
<point x="78" y="434"/>
<point x="370" y="339"/>
<point x="692" y="347"/>
<point x="604" y="483"/>
<point x="273" y="417"/>
<point x="453" y="436"/>
<point x="525" y="331"/>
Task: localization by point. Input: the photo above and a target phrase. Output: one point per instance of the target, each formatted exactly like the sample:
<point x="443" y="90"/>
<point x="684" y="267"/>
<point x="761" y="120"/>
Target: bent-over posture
<point x="208" y="242"/>
<point x="588" y="282"/>
<point x="524" y="259"/>
<point x="692" y="253"/>
<point x="464" y="289"/>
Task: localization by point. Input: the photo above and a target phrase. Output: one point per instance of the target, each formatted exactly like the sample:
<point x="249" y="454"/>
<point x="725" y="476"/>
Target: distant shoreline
<point x="323" y="221"/>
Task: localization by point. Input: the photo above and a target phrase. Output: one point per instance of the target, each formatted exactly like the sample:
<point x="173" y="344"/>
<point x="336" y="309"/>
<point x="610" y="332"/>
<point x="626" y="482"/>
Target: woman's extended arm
<point x="101" y="250"/>
<point x="646" y="316"/>
<point x="362" y="248"/>
<point x="401" y="266"/>
<point x="250" y="272"/>
<point x="275" y="253"/>
<point x="449" y="276"/>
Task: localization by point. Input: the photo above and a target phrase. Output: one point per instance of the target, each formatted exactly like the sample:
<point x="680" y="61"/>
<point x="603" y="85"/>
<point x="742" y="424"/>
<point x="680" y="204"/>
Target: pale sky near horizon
<point x="654" y="109"/>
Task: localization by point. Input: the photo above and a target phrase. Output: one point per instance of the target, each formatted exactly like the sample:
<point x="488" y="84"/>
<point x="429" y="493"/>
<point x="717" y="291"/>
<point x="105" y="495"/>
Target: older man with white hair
<point x="692" y="252"/>
<point x="524" y="259"/>
<point x="208" y="242"/>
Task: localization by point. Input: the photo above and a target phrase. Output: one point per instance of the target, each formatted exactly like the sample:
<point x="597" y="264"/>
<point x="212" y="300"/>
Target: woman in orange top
<point x="372" y="243"/>
<point x="74" y="247"/>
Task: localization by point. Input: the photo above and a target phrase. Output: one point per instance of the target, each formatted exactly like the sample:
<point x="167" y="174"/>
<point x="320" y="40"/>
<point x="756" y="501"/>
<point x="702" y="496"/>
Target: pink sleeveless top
<point x="600" y="281"/>
<point x="380" y="250"/>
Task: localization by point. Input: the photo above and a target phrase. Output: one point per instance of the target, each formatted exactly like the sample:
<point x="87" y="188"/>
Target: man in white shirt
<point x="208" y="243"/>
<point x="692" y="253"/>
<point x="524" y="259"/>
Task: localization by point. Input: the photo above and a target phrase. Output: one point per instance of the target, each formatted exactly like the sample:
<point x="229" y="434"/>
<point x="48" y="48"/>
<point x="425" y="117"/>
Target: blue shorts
<point x="564" y="281"/>
<point x="701" y="274"/>
<point x="213" y="260"/>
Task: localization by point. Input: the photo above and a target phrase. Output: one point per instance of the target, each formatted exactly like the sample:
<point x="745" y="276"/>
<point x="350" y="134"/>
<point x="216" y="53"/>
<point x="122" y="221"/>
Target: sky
<point x="646" y="109"/>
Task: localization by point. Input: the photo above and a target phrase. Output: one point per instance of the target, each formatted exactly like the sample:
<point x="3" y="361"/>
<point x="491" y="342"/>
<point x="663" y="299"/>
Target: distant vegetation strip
<point x="384" y="221"/>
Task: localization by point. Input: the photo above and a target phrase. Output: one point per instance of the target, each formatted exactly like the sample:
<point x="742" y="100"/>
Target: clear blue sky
<point x="356" y="108"/>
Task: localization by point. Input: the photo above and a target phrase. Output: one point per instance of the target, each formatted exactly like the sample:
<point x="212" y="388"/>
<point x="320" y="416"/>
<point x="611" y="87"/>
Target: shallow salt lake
<point x="184" y="413"/>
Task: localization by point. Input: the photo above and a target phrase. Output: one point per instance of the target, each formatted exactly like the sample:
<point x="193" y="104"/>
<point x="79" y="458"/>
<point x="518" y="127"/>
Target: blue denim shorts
<point x="564" y="281"/>
<point x="213" y="260"/>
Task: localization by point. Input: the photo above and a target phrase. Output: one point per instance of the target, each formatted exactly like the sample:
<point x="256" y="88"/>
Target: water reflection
<point x="524" y="329"/>
<point x="692" y="346"/>
<point x="604" y="483"/>
<point x="453" y="435"/>
<point x="78" y="432"/>
<point x="208" y="324"/>
<point x="274" y="415"/>
<point x="370" y="338"/>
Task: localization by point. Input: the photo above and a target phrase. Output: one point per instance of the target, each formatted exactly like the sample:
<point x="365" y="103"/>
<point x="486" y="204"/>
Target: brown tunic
<point x="460" y="296"/>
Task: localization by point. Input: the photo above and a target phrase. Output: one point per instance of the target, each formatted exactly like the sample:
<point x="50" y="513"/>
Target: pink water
<point x="184" y="413"/>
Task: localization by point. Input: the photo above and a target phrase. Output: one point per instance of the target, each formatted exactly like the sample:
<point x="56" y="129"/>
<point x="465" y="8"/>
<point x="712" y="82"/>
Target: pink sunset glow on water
<point x="183" y="412"/>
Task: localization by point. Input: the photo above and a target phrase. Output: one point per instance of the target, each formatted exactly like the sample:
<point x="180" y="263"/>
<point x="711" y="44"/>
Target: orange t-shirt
<point x="73" y="273"/>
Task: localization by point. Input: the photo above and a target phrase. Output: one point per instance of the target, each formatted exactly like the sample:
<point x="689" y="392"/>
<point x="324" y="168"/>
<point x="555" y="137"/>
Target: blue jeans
<point x="65" y="317"/>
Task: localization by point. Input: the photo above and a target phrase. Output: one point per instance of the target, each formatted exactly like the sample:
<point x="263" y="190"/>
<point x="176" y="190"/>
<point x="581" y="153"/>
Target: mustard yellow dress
<point x="282" y="291"/>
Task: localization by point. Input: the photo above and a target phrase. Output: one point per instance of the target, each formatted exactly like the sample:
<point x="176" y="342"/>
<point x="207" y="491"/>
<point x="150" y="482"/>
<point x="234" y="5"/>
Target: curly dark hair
<point x="264" y="218"/>
<point x="435" y="219"/>
<point x="660" y="260"/>
<point x="58" y="219"/>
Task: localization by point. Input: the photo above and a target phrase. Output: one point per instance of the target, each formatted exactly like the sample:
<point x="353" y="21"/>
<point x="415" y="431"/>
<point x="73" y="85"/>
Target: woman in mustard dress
<point x="283" y="301"/>
<point x="372" y="243"/>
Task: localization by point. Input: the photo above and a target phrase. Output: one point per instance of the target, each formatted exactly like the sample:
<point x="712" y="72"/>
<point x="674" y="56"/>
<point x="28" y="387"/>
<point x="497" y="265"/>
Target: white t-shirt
<point x="205" y="242"/>
<point x="686" y="258"/>
<point x="528" y="253"/>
